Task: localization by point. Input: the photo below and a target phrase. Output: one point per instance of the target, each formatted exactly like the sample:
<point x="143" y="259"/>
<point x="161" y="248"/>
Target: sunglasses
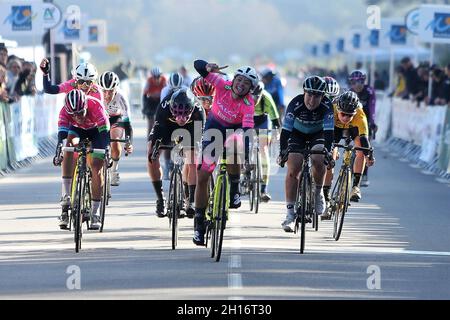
<point x="352" y="82"/>
<point x="81" y="82"/>
<point x="206" y="98"/>
<point x="346" y="115"/>
<point x="315" y="93"/>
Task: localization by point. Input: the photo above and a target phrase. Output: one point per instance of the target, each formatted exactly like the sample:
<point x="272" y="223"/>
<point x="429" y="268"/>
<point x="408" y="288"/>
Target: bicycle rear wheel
<point x="341" y="200"/>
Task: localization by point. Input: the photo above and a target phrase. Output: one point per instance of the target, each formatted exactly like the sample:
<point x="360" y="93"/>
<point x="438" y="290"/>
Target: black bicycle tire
<point x="221" y="222"/>
<point x="78" y="220"/>
<point x="303" y="213"/>
<point x="258" y="182"/>
<point x="346" y="185"/>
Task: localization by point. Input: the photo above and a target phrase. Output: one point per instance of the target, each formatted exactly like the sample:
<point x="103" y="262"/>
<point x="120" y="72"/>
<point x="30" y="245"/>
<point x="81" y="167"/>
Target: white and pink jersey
<point x="96" y="117"/>
<point x="68" y="86"/>
<point x="227" y="110"/>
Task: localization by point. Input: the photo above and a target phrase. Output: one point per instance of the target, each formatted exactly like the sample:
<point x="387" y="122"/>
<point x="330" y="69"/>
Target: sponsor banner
<point x="383" y="116"/>
<point x="97" y="35"/>
<point x="444" y="153"/>
<point x="434" y="23"/>
<point x="21" y="18"/>
<point x="394" y="33"/>
<point x="433" y="132"/>
<point x="3" y="145"/>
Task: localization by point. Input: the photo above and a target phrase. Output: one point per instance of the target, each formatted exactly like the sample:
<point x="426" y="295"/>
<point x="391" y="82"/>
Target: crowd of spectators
<point x="17" y="77"/>
<point x="413" y="83"/>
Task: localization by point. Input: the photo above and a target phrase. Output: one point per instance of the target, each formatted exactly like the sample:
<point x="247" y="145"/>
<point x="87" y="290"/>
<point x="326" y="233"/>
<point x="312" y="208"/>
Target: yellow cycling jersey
<point x="359" y="121"/>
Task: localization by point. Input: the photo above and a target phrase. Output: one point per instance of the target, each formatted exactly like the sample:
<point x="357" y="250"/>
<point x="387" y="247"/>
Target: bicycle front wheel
<point x="258" y="183"/>
<point x="341" y="203"/>
<point x="220" y="217"/>
<point x="177" y="204"/>
<point x="305" y="207"/>
<point x="78" y="210"/>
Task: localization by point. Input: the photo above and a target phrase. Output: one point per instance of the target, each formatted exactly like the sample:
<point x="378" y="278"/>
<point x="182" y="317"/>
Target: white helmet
<point x="108" y="80"/>
<point x="249" y="73"/>
<point x="86" y="71"/>
<point x="175" y="80"/>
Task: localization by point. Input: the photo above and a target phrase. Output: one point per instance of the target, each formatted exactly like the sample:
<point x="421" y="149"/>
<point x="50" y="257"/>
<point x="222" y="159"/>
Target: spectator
<point x="447" y="83"/>
<point x="439" y="93"/>
<point x="422" y="84"/>
<point x="187" y="80"/>
<point x="400" y="90"/>
<point x="273" y="85"/>
<point x="412" y="78"/>
<point x="25" y="85"/>
<point x="4" y="96"/>
<point x="14" y="68"/>
<point x="3" y="56"/>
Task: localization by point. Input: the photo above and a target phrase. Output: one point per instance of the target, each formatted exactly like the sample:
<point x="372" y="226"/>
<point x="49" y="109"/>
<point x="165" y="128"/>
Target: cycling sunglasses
<point x="347" y="115"/>
<point x="81" y="82"/>
<point x="205" y="98"/>
<point x="353" y="82"/>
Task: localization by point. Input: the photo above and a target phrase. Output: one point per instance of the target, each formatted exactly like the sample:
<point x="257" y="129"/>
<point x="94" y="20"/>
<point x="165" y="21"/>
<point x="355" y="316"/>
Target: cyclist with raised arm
<point x="350" y="121"/>
<point x="82" y="117"/>
<point x="118" y="110"/>
<point x="266" y="118"/>
<point x="368" y="99"/>
<point x="309" y="118"/>
<point x="232" y="108"/>
<point x="177" y="111"/>
<point x="204" y="91"/>
<point x="152" y="95"/>
<point x="84" y="78"/>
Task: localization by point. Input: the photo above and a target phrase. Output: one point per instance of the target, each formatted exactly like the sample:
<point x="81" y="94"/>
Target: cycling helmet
<point x="182" y="103"/>
<point x="75" y="102"/>
<point x="258" y="89"/>
<point x="333" y="87"/>
<point x="348" y="102"/>
<point x="202" y="88"/>
<point x="357" y="75"/>
<point x="156" y="72"/>
<point x="267" y="73"/>
<point x="249" y="73"/>
<point x="315" y="84"/>
<point x="86" y="71"/>
<point x="175" y="80"/>
<point x="108" y="80"/>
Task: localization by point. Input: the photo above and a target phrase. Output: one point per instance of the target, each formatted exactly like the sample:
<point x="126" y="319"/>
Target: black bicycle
<point x="175" y="203"/>
<point x="81" y="198"/>
<point x="252" y="179"/>
<point x="304" y="202"/>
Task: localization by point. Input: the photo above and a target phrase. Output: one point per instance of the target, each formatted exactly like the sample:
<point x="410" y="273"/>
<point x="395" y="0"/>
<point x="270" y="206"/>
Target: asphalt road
<point x="395" y="244"/>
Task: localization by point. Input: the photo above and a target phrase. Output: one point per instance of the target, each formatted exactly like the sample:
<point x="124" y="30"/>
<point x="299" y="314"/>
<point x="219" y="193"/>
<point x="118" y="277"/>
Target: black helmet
<point x="348" y="102"/>
<point x="316" y="84"/>
<point x="182" y="103"/>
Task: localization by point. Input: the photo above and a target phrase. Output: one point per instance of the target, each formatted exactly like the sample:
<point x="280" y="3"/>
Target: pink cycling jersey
<point x="68" y="86"/>
<point x="95" y="118"/>
<point x="227" y="110"/>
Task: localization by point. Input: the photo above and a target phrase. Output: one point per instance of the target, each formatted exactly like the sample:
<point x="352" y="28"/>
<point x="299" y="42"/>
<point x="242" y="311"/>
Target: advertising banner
<point x="434" y="23"/>
<point x="21" y="18"/>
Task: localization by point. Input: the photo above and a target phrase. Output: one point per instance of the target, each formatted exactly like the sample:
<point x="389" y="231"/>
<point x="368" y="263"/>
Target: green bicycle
<point x="218" y="211"/>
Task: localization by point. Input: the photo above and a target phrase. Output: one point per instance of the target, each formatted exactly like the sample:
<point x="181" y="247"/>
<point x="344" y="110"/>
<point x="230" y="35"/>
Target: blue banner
<point x="340" y="45"/>
<point x="398" y="34"/>
<point x="374" y="38"/>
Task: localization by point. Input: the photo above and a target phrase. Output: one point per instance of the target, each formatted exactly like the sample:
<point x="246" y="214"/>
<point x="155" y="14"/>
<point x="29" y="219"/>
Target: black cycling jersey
<point x="165" y="123"/>
<point x="301" y="122"/>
